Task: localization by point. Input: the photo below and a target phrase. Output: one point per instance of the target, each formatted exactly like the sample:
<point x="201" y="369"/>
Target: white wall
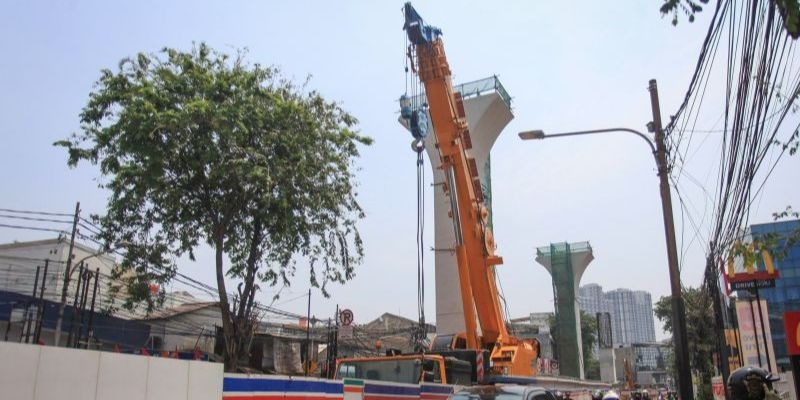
<point x="31" y="372"/>
<point x="18" y="266"/>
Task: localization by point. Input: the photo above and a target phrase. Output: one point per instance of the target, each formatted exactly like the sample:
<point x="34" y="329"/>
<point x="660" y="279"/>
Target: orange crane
<point x="475" y="246"/>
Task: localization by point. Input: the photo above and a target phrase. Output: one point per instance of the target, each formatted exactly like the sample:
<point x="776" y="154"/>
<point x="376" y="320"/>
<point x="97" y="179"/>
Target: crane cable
<point x="422" y="330"/>
<point x="419" y="335"/>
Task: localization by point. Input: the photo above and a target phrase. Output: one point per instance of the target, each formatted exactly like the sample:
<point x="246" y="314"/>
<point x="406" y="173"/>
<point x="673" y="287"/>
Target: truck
<point x="486" y="347"/>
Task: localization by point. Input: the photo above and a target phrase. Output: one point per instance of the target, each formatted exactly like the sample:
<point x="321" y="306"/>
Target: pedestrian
<point x="752" y="383"/>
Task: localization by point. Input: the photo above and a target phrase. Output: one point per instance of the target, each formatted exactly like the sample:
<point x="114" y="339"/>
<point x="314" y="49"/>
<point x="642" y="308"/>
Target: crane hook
<point x="418" y="145"/>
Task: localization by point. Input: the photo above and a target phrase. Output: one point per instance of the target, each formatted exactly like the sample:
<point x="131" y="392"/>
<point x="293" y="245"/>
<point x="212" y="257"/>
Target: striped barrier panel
<point x="277" y="387"/>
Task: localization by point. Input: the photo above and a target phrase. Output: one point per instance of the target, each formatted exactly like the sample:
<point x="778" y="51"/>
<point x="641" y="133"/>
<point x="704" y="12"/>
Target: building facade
<point x="785" y="296"/>
<point x="648" y="364"/>
<point x="590" y="297"/>
<point x="535" y="326"/>
<point x="631" y="312"/>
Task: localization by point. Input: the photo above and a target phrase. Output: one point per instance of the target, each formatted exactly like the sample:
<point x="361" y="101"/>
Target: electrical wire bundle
<point x="758" y="122"/>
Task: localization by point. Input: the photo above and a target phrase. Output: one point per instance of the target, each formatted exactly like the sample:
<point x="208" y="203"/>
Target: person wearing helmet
<point x="611" y="395"/>
<point x="752" y="383"/>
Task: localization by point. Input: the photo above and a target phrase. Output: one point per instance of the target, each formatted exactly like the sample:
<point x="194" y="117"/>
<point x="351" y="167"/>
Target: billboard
<point x="791" y="320"/>
<point x="732" y="341"/>
<point x="753" y="346"/>
<point x="604" y="330"/>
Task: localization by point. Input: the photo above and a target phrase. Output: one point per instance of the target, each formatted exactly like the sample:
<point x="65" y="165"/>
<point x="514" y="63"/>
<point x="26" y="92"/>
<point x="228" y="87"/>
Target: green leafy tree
<point x="789" y="10"/>
<point x="700" y="335"/>
<point x="201" y="147"/>
<point x="687" y="7"/>
<point x="589" y="338"/>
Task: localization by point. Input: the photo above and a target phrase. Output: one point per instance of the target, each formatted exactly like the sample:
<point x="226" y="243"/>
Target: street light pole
<point x="660" y="154"/>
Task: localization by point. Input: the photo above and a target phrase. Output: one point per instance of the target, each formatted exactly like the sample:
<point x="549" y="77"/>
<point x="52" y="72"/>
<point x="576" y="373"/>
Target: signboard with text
<point x="346" y="331"/>
<point x="751" y="336"/>
<point x="754" y="284"/>
<point x="718" y="388"/>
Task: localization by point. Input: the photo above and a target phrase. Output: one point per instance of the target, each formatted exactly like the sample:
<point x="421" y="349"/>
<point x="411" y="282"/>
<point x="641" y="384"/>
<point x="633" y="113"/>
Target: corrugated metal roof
<point x="181" y="309"/>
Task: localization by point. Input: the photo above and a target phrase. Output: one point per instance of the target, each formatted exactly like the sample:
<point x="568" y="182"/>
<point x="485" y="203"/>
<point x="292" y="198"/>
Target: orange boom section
<point x="475" y="246"/>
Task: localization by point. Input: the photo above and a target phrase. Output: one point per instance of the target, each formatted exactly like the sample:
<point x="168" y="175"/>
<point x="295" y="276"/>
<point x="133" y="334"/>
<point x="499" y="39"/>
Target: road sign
<point x="346" y="317"/>
<point x="346" y="331"/>
<point x="754" y="284"/>
<point x="718" y="388"/>
<point x="791" y="322"/>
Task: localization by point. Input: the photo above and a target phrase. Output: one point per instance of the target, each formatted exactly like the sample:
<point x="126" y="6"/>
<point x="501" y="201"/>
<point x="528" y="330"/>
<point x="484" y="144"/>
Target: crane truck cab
<point x="411" y="368"/>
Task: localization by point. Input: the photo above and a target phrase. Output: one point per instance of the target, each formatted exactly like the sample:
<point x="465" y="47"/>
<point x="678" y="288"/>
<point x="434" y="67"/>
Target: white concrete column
<point x="487" y="115"/>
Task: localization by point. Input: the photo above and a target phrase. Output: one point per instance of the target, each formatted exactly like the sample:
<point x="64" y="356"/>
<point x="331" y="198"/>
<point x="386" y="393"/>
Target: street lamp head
<point x="531" y="135"/>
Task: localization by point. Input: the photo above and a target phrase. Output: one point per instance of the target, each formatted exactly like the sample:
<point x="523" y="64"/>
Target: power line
<point x="32" y="228"/>
<point x="34" y="219"/>
<point x="54" y="214"/>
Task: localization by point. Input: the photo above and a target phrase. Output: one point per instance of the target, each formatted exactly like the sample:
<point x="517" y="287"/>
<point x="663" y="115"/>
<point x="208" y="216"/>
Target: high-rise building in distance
<point x="631" y="312"/>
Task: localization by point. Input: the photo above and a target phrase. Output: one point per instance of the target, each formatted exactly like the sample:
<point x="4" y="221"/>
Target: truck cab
<point x="411" y="369"/>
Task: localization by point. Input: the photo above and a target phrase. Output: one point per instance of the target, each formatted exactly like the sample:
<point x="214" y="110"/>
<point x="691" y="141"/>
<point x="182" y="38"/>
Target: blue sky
<point x="568" y="65"/>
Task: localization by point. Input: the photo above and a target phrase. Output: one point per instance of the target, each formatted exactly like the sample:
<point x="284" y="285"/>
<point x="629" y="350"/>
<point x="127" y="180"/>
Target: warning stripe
<point x="273" y="396"/>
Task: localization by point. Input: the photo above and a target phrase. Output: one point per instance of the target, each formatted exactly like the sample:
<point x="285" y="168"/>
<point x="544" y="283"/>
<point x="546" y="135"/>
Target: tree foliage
<point x="687" y="7"/>
<point x="789" y="11"/>
<point x="700" y="335"/>
<point x="200" y="147"/>
<point x="588" y="339"/>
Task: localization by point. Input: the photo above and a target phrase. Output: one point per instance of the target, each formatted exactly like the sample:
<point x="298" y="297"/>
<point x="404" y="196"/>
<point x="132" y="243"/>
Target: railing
<point x="481" y="86"/>
<point x="476" y="88"/>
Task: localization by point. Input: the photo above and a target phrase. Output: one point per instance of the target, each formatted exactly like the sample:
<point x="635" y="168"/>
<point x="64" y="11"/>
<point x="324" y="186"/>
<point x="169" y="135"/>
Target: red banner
<point x="791" y="322"/>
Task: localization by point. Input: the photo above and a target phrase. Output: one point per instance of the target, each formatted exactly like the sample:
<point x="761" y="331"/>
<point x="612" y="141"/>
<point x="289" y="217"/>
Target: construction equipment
<point x="475" y="246"/>
<point x="630" y="383"/>
<point x="486" y="337"/>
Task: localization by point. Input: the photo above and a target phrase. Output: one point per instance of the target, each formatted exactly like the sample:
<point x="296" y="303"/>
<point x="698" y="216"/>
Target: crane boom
<point x="475" y="246"/>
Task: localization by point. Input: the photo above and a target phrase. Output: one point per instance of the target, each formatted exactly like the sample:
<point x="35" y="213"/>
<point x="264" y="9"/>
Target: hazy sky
<point x="568" y="65"/>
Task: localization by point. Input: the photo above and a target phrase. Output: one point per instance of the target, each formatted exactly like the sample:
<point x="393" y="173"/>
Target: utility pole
<point x="90" y="329"/>
<point x="763" y="332"/>
<point x="65" y="285"/>
<point x="29" y="323"/>
<point x="719" y="322"/>
<point x="679" y="340"/>
<point x="40" y="309"/>
<point x="308" y="334"/>
<point x="75" y="303"/>
<point x="87" y="278"/>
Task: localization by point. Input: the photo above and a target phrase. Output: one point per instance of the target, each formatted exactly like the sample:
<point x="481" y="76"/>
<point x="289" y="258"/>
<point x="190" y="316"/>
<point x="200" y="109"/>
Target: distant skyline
<point x="567" y="66"/>
<point x="632" y="318"/>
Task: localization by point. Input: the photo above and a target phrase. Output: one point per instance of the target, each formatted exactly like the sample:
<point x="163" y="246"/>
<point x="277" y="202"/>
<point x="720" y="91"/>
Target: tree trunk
<point x="230" y="353"/>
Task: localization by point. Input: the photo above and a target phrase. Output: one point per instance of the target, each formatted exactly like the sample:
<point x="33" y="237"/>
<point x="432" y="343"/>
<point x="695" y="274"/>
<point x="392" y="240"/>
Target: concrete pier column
<point x="488" y="109"/>
<point x="566" y="263"/>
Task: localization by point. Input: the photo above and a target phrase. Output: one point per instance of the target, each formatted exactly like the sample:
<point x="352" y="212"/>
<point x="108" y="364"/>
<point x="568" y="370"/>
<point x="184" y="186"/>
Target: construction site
<point x="242" y="235"/>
